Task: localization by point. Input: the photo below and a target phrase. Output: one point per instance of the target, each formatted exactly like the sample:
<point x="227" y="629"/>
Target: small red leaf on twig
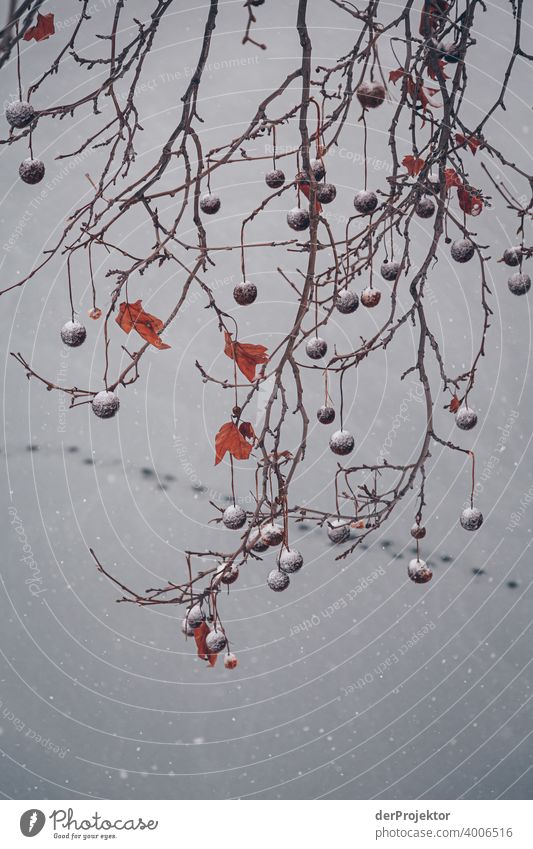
<point x="200" y="635"/>
<point x="246" y="356"/>
<point x="452" y="178"/>
<point x="470" y="200"/>
<point x="454" y="404"/>
<point x="303" y="184"/>
<point x="468" y="141"/>
<point x="247" y="430"/>
<point x="133" y="317"/>
<point x="229" y="438"/>
<point x="394" y="76"/>
<point x="42" y="30"/>
<point x="413" y="164"/>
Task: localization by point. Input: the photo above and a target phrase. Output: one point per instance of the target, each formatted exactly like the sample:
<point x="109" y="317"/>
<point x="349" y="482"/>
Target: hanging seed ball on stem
<point x="245" y="293"/>
<point x="195" y="616"/>
<point x="275" y="178"/>
<point x="418" y="531"/>
<point x="290" y="560"/>
<point x="390" y="270"/>
<point x="342" y="442"/>
<point x="230" y="574"/>
<point x="512" y="256"/>
<point x="278" y="580"/>
<point x="365" y="202"/>
<point x="234" y="517"/>
<point x="465" y="418"/>
<point x="462" y="250"/>
<point x="215" y="641"/>
<point x="326" y="193"/>
<point x="370" y="297"/>
<point x="31" y="171"/>
<point x="73" y="334"/>
<point x="519" y="283"/>
<point x="419" y="571"/>
<point x="338" y="530"/>
<point x="370" y="94"/>
<point x="471" y="519"/>
<point x="210" y="204"/>
<point x="272" y="534"/>
<point x="187" y="628"/>
<point x="105" y="404"/>
<point x="298" y="219"/>
<point x="230" y="660"/>
<point x="19" y="114"/>
<point x="346" y="301"/>
<point x="316" y="348"/>
<point x="317" y="167"/>
<point x="325" y="415"/>
<point x="256" y="542"/>
<point x="425" y="208"/>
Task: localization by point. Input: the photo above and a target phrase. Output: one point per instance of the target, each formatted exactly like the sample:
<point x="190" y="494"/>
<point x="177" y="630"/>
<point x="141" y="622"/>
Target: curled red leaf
<point x="246" y="356"/>
<point x="200" y="635"/>
<point x="229" y="438"/>
<point x="470" y="200"/>
<point x="42" y="30"/>
<point x="133" y="317"/>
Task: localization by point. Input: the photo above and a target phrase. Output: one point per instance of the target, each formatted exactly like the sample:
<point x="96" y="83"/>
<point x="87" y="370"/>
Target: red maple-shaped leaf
<point x="133" y="317"/>
<point x="452" y="178"/>
<point x="470" y="200"/>
<point x="396" y="75"/>
<point x="246" y="356"/>
<point x="229" y="438"/>
<point x="413" y="164"/>
<point x="42" y="30"/>
<point x="200" y="635"/>
<point x="468" y="141"/>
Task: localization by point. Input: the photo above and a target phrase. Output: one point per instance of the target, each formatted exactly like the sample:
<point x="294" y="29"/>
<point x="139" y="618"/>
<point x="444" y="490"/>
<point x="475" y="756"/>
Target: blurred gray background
<point x="355" y="683"/>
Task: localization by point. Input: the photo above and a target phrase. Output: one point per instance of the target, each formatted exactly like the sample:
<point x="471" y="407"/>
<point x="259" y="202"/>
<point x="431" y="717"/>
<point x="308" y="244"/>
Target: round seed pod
<point x="234" y="517"/>
<point x="418" y="531"/>
<point x="215" y="641"/>
<point x="230" y="574"/>
<point x="318" y="169"/>
<point x="465" y="418"/>
<point x="346" y="301"/>
<point x="462" y="250"/>
<point x="512" y="256"/>
<point x="230" y="660"/>
<point x="370" y="297"/>
<point x="390" y="270"/>
<point x="278" y="580"/>
<point x="105" y="404"/>
<point x="272" y="533"/>
<point x="298" y="219"/>
<point x="290" y="560"/>
<point x="73" y="334"/>
<point x="325" y="415"/>
<point x="19" y="114"/>
<point x="326" y="193"/>
<point x="316" y="348"/>
<point x="210" y="204"/>
<point x="195" y="617"/>
<point x="245" y="293"/>
<point x="187" y="628"/>
<point x="257" y="543"/>
<point x="425" y="208"/>
<point x="370" y="94"/>
<point x="338" y="530"/>
<point x="275" y="179"/>
<point x="365" y="202"/>
<point x="471" y="519"/>
<point x="342" y="442"/>
<point x="419" y="571"/>
<point x="31" y="171"/>
<point x="519" y="283"/>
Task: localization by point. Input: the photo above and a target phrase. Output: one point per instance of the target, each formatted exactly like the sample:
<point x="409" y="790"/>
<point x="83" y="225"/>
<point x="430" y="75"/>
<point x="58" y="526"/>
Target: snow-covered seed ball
<point x="325" y="415"/>
<point x="316" y="348"/>
<point x="465" y="418"/>
<point x="278" y="580"/>
<point x="419" y="571"/>
<point x="256" y="2"/>
<point x="418" y="531"/>
<point x="462" y="250"/>
<point x="346" y="301"/>
<point x="365" y="202"/>
<point x="105" y="404"/>
<point x="187" y="628"/>
<point x="209" y="204"/>
<point x="230" y="660"/>
<point x="390" y="270"/>
<point x="275" y="179"/>
<point x="257" y="543"/>
<point x="370" y="297"/>
<point x="272" y="534"/>
<point x="370" y="94"/>
<point x="338" y="530"/>
<point x="215" y="641"/>
<point x="230" y="574"/>
<point x="298" y="219"/>
<point x="19" y="114"/>
<point x="317" y="167"/>
<point x="326" y="193"/>
<point x="245" y="293"/>
<point x="341" y="442"/>
<point x="519" y="283"/>
<point x="234" y="517"/>
<point x="195" y="616"/>
<point x="290" y="560"/>
<point x="73" y="334"/>
<point x="425" y="208"/>
<point x="471" y="519"/>
<point x="31" y="171"/>
<point x="512" y="256"/>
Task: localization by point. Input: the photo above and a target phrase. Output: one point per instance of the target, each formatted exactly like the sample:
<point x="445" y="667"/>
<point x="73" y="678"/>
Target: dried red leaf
<point x="200" y="635"/>
<point x="229" y="438"/>
<point x="470" y="200"/>
<point x="422" y="94"/>
<point x="468" y="141"/>
<point x="247" y="430"/>
<point x="452" y="178"/>
<point x="394" y="76"/>
<point x="413" y="164"/>
<point x="133" y="317"/>
<point x="454" y="404"/>
<point x="303" y="184"/>
<point x="42" y="30"/>
<point x="247" y="356"/>
<point x="442" y="65"/>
